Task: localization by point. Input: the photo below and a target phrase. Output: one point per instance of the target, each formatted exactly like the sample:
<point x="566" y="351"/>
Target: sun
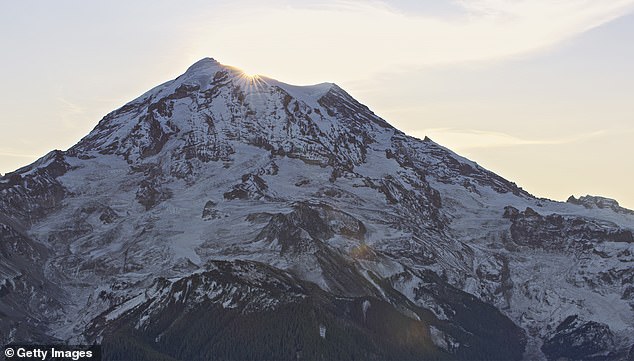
<point x="244" y="75"/>
<point x="247" y="75"/>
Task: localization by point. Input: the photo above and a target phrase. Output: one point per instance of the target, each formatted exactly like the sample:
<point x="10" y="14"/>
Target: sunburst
<point x="249" y="80"/>
<point x="253" y="87"/>
<point x="247" y="75"/>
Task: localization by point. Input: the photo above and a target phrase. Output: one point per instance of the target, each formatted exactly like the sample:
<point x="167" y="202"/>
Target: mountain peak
<point x="202" y="64"/>
<point x="201" y="73"/>
<point x="212" y="107"/>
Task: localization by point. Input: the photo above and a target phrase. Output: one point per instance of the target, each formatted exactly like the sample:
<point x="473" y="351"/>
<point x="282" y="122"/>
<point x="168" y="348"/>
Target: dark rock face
<point x="464" y="318"/>
<point x="232" y="300"/>
<point x="297" y="231"/>
<point x="556" y="232"/>
<point x="316" y="222"/>
<point x="108" y="215"/>
<point x="28" y="300"/>
<point x="252" y="187"/>
<point x="591" y="202"/>
<point x="33" y="191"/>
<point x="150" y="193"/>
<point x="209" y="211"/>
<point x="578" y="340"/>
<point x="341" y="223"/>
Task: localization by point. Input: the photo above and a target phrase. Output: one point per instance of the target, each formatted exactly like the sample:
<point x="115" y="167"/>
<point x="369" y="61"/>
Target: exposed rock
<point x="600" y="203"/>
<point x="556" y="232"/>
<point x="252" y="187"/>
<point x="108" y="216"/>
<point x="209" y="211"/>
<point x="575" y="339"/>
<point x="297" y="231"/>
<point x="150" y="193"/>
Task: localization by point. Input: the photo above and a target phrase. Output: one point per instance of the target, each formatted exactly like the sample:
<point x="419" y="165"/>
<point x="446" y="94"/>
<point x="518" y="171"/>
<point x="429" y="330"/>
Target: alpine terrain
<point x="223" y="216"/>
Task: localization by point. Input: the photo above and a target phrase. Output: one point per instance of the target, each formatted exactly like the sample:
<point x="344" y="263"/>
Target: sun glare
<point x="248" y="75"/>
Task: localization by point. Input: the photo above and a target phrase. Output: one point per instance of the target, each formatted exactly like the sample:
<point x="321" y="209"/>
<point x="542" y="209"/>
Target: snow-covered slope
<point x="292" y="188"/>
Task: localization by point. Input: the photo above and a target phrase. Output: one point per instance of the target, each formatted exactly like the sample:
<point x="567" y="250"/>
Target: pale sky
<point x="538" y="91"/>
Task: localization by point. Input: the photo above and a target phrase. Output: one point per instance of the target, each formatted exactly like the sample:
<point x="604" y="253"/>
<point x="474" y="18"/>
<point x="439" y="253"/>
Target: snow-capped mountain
<point x="218" y="210"/>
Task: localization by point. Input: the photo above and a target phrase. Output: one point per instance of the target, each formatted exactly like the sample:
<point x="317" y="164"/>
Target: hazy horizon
<point x="539" y="93"/>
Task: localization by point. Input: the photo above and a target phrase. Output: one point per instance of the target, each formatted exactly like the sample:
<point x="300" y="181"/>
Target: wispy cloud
<point x="463" y="139"/>
<point x="69" y="113"/>
<point x="12" y="160"/>
<point x="376" y="36"/>
<point x="18" y="155"/>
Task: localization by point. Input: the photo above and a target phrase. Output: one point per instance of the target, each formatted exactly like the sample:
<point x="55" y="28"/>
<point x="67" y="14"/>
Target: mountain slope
<point x="218" y="196"/>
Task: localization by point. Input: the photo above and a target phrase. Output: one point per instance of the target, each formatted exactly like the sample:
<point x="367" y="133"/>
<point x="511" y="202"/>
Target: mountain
<point x="220" y="210"/>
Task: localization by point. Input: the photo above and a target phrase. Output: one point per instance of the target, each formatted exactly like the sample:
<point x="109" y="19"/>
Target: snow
<point x="546" y="287"/>
<point x="365" y="306"/>
<point x="309" y="94"/>
<point x="171" y="240"/>
<point x="377" y="165"/>
<point x="438" y="338"/>
<point x="125" y="307"/>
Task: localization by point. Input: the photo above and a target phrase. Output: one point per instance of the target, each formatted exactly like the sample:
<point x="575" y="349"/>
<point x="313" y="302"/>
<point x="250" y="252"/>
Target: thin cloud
<point x="69" y="112"/>
<point x="351" y="39"/>
<point x="18" y="155"/>
<point x="463" y="139"/>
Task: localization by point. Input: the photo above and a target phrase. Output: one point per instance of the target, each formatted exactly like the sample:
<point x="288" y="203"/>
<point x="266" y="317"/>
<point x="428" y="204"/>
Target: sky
<point x="538" y="91"/>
